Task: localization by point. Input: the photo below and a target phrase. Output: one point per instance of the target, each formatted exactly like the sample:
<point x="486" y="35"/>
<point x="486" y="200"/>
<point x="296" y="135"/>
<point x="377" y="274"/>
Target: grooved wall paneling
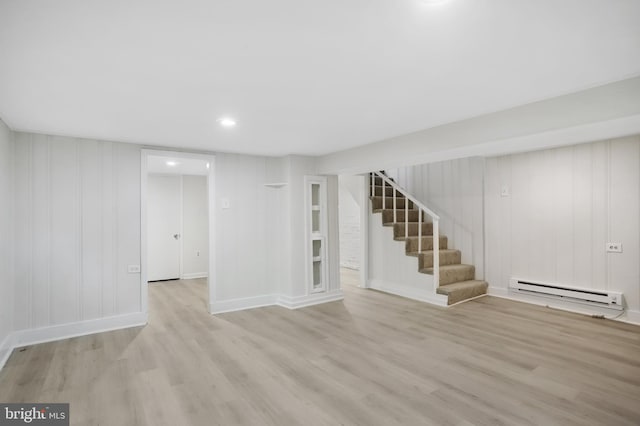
<point x="349" y="214"/>
<point x="241" y="241"/>
<point x="77" y="209"/>
<point x="564" y="205"/>
<point x="6" y="235"/>
<point x="454" y="191"/>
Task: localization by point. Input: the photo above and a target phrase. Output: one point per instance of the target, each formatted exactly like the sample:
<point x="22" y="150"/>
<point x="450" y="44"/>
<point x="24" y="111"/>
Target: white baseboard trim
<point x="288" y="302"/>
<point x="75" y="329"/>
<point x="309" y="300"/>
<point x="6" y="348"/>
<point x="422" y="295"/>
<point x="193" y="275"/>
<point x="632" y="317"/>
<point x="241" y="304"/>
<point x="467" y="300"/>
<point x="629" y="316"/>
<point x="34" y="336"/>
<point x="349" y="265"/>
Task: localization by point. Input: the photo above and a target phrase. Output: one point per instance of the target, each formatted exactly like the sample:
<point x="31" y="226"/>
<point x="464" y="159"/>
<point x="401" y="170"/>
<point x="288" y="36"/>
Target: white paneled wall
<point x="241" y="241"/>
<point x="333" y="236"/>
<point x="563" y="206"/>
<point x="298" y="288"/>
<point x="278" y="232"/>
<point x="260" y="253"/>
<point x="349" y="215"/>
<point x="77" y="205"/>
<point x="6" y="237"/>
<point x="391" y="270"/>
<point x="298" y="167"/>
<point x="453" y="190"/>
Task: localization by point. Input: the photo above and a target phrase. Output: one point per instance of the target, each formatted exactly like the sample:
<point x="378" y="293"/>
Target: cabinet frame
<point x="313" y="204"/>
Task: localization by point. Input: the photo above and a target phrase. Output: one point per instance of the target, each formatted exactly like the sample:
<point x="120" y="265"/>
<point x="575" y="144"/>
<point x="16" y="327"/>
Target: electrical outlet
<point x="614" y="247"/>
<point x="133" y="269"/>
<point x="225" y="203"/>
<point x="197" y="254"/>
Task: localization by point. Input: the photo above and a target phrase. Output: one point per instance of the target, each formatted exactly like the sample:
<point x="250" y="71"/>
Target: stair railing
<point x="421" y="208"/>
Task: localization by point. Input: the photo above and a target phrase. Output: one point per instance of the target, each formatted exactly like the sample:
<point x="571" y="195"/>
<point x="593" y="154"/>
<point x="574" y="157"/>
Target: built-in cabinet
<point x="316" y="233"/>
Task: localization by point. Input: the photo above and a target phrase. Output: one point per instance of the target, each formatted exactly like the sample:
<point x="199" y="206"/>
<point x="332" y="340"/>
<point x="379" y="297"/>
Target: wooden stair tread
<point x="430" y="252"/>
<point x="463" y="290"/>
<point x="448" y="288"/>
<point x="443" y="268"/>
<point x="381" y="210"/>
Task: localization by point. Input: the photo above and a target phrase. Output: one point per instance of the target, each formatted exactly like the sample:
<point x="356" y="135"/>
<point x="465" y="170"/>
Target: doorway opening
<point x="353" y="229"/>
<point x="178" y="252"/>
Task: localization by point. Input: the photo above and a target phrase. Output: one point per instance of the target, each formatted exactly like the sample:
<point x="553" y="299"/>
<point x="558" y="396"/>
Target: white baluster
<point x="436" y="254"/>
<point x="384" y="193"/>
<point x="406" y="218"/>
<point x="373" y="184"/>
<point x="419" y="231"/>
<point x="395" y="215"/>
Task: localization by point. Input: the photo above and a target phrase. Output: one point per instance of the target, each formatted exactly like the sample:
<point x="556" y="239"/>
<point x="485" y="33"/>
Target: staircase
<point x="456" y="280"/>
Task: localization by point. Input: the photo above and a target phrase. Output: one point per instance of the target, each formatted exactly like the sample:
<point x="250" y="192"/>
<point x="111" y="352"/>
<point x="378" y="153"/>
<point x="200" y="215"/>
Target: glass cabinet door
<point x="315" y="210"/>
<point x="317" y="262"/>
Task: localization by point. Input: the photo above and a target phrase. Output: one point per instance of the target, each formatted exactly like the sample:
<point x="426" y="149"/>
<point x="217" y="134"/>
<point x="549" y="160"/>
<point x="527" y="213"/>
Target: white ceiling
<point x="299" y="76"/>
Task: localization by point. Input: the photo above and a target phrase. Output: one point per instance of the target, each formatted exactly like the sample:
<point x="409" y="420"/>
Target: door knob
<point x="176" y="236"/>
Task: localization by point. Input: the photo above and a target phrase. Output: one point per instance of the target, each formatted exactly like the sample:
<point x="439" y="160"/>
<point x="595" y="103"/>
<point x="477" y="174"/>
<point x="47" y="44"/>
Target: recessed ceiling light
<point x="227" y="122"/>
<point x="172" y="163"/>
<point x="208" y="165"/>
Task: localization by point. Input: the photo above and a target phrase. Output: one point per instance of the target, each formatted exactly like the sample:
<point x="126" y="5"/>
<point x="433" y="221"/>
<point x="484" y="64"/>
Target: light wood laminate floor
<point x="373" y="359"/>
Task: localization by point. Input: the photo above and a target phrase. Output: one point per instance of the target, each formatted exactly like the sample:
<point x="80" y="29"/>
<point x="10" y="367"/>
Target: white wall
<point x="333" y="235"/>
<point x="298" y="167"/>
<point x="608" y="111"/>
<point x="454" y="191"/>
<point x="77" y="210"/>
<point x="195" y="227"/>
<point x="261" y="256"/>
<point x="349" y="218"/>
<point x="564" y="205"/>
<point x="241" y="230"/>
<point x="77" y="207"/>
<point x="6" y="238"/>
<point x="391" y="270"/>
<point x="278" y="231"/>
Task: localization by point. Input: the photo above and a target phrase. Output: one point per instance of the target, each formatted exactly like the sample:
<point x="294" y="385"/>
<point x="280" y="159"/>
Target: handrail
<point x="421" y="208"/>
<point x="406" y="194"/>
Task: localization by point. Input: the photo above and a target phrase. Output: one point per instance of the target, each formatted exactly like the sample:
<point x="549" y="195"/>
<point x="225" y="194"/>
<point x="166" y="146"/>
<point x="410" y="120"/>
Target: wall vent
<point x="602" y="298"/>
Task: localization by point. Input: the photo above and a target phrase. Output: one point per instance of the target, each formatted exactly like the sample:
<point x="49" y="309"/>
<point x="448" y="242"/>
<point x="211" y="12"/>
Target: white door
<point x="163" y="227"/>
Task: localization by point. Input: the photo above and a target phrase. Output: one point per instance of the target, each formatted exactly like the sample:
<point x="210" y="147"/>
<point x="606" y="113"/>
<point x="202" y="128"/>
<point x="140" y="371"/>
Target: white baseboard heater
<point x="602" y="298"/>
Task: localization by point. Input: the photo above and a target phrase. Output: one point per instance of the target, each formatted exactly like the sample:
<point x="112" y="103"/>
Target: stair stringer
<point x="392" y="271"/>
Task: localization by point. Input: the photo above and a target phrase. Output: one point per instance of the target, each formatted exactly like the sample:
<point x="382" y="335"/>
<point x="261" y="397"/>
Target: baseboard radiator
<point x="602" y="298"/>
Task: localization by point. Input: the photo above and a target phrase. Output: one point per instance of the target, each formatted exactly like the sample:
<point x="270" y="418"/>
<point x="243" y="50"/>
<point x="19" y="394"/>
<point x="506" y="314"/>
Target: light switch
<point x="225" y="203"/>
